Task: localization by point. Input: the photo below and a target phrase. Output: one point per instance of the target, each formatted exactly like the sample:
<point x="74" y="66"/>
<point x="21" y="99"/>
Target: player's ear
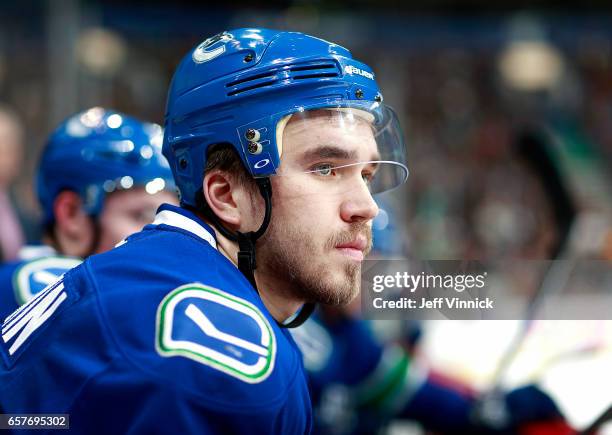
<point x="222" y="193"/>
<point x="72" y="223"/>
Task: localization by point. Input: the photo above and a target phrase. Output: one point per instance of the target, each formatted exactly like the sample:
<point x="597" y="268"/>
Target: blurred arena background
<point x="475" y="85"/>
<point x="466" y="84"/>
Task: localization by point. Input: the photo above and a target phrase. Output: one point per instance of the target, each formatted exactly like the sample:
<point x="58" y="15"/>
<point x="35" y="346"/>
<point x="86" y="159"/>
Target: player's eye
<point x="324" y="169"/>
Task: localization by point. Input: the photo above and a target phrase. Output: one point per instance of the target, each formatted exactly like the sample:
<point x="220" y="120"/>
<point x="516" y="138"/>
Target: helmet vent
<point x="285" y="75"/>
<point x="314" y="71"/>
<point x="314" y="67"/>
<point x="260" y="84"/>
<point x="267" y="74"/>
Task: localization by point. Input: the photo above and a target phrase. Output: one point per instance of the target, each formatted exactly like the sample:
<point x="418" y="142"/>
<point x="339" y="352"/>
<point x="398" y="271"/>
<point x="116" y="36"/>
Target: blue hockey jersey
<point x="357" y="382"/>
<point x="20" y="280"/>
<point x="162" y="334"/>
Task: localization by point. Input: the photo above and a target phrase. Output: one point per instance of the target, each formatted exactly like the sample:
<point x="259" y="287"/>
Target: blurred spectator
<point x="11" y="155"/>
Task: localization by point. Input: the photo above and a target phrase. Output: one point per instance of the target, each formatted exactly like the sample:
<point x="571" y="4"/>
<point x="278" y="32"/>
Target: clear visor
<point x="337" y="150"/>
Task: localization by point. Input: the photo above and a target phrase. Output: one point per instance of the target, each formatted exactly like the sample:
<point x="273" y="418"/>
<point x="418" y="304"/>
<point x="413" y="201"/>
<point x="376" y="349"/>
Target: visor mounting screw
<point x="378" y="98"/>
<point x="252" y="135"/>
<point x="248" y="57"/>
<point x="255" y="148"/>
<point x="359" y="93"/>
<point x="183" y="163"/>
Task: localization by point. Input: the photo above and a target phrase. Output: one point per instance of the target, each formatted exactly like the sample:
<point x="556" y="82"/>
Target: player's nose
<point x="358" y="206"/>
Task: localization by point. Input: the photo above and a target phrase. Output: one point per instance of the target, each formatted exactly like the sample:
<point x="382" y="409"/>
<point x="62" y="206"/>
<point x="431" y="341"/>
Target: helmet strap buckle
<point x="246" y="255"/>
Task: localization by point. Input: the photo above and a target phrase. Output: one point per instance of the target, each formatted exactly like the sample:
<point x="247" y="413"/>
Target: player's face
<point x="322" y="209"/>
<point x="126" y="212"/>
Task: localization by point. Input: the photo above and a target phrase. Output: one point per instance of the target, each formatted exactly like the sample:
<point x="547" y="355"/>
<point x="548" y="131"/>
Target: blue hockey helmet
<point x="240" y="87"/>
<point x="98" y="151"/>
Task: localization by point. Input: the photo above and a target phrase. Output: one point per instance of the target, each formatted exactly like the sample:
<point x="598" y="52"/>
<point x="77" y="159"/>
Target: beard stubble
<point x="292" y="256"/>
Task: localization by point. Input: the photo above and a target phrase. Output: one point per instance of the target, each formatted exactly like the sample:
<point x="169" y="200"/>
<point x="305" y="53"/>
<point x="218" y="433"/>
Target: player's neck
<point x="281" y="305"/>
<point x="65" y="245"/>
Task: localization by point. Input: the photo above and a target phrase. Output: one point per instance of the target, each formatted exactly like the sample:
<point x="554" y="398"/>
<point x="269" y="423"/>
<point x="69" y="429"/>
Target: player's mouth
<point x="355" y="249"/>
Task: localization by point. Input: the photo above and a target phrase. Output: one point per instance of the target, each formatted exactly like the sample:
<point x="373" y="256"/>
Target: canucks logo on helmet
<point x="201" y="54"/>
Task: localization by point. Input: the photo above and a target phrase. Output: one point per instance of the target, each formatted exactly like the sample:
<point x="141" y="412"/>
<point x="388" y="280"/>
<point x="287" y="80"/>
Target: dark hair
<point x="222" y="157"/>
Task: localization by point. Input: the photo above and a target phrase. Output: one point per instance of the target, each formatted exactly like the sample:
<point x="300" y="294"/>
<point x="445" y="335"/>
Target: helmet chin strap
<point x="246" y="253"/>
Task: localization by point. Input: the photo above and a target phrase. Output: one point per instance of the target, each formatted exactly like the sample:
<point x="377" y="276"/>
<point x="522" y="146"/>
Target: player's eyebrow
<point x="333" y="152"/>
<point x="329" y="152"/>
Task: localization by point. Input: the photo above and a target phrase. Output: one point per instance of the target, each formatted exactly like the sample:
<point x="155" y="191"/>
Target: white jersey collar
<point x="180" y="218"/>
<point x="30" y="252"/>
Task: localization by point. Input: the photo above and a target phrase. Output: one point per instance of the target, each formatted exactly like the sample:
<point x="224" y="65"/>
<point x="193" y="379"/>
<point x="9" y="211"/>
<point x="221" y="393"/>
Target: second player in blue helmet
<point x="277" y="141"/>
<point x="101" y="177"/>
<point x="97" y="152"/>
<point x="107" y="169"/>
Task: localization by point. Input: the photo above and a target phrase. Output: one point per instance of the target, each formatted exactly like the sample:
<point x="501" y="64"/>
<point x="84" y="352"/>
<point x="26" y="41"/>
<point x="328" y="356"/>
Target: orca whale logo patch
<point x="34" y="276"/>
<point x="217" y="329"/>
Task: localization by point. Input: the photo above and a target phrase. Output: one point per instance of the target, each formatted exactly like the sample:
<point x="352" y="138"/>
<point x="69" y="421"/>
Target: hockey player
<point x="277" y="141"/>
<point x="100" y="178"/>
